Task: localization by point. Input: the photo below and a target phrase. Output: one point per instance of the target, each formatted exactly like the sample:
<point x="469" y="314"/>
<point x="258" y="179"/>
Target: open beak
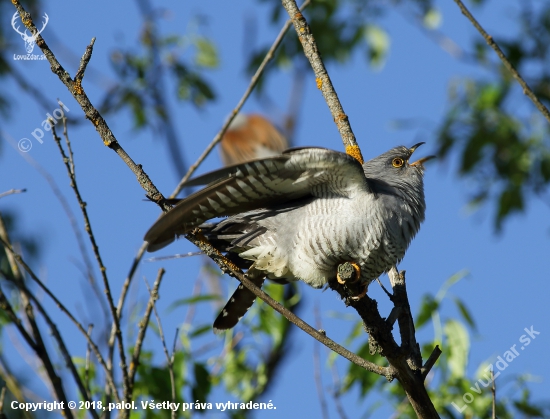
<point x="421" y="161"/>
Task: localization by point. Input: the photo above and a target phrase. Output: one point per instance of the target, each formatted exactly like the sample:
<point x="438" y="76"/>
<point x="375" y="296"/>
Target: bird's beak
<point x="421" y="161"/>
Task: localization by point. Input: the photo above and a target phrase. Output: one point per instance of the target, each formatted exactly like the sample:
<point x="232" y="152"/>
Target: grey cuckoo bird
<point x="297" y="216"/>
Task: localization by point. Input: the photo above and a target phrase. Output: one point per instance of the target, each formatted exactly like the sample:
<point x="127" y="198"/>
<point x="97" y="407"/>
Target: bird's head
<point x="392" y="172"/>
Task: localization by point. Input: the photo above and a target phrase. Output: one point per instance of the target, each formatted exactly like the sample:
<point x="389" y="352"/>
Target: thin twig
<point x="143" y="324"/>
<point x="36" y="342"/>
<point x="69" y="164"/>
<point x="62" y="307"/>
<point x="84" y="62"/>
<point x="434" y="356"/>
<point x="67" y="140"/>
<point x="336" y="392"/>
<point x="7" y="309"/>
<point x="324" y="84"/>
<point x="13" y="385"/>
<point x="11" y="192"/>
<point x="95" y="248"/>
<point x="63" y="349"/>
<point x="169" y="359"/>
<point x="268" y="57"/>
<point x="389" y="294"/>
<point x="172" y="377"/>
<point x="122" y="299"/>
<point x="87" y="362"/>
<point x="491" y="42"/>
<point x="66" y="208"/>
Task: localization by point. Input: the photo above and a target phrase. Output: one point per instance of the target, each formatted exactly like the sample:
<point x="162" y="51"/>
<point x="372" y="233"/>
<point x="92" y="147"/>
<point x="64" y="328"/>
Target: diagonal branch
<point x="69" y="164"/>
<point x="62" y="348"/>
<point x="143" y="324"/>
<point x="229" y="268"/>
<point x="11" y="192"/>
<point x="491" y="42"/>
<point x="23" y="264"/>
<point x="324" y="84"/>
<point x="35" y="342"/>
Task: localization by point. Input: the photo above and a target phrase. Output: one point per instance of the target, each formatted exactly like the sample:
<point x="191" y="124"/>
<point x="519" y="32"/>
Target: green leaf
<point x="193" y="300"/>
<point x="511" y="200"/>
<point x="453" y="279"/>
<point x="432" y="19"/>
<point x="202" y="385"/>
<point x="465" y="313"/>
<point x="458" y="347"/>
<point x="545" y="167"/>
<point x="207" y="55"/>
<point x="359" y="376"/>
<point x="529" y="410"/>
<point x="379" y="43"/>
<point x="200" y="330"/>
<point x="427" y="307"/>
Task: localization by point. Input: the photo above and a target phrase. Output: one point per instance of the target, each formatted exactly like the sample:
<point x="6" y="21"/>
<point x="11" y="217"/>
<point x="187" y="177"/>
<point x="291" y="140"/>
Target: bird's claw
<point x="361" y="294"/>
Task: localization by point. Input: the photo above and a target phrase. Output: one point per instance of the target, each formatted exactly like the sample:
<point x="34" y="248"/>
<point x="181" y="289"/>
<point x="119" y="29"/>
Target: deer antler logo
<point x="30" y="40"/>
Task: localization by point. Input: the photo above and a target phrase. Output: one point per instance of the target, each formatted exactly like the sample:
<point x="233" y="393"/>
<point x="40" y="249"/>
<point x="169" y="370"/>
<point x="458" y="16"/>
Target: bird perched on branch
<point x="251" y="137"/>
<point x="297" y="216"/>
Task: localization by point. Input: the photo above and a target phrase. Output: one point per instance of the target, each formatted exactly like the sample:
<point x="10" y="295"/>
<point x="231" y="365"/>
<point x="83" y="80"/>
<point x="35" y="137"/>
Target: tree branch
<point x="324" y="84"/>
<point x="491" y="42"/>
<point x="143" y="324"/>
<point x="227" y="267"/>
<point x="69" y="164"/>
<point x="11" y="192"/>
<point x="405" y="360"/>
<point x="35" y="342"/>
<point x="21" y="262"/>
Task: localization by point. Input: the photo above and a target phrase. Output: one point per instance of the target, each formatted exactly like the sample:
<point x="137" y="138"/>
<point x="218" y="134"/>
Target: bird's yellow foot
<point x="348" y="273"/>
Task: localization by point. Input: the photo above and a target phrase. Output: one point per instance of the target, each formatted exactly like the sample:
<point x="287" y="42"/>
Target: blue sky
<point x="506" y="288"/>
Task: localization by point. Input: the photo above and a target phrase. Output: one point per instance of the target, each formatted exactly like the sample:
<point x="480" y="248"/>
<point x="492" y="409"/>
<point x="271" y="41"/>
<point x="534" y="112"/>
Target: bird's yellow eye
<point x="397" y="162"/>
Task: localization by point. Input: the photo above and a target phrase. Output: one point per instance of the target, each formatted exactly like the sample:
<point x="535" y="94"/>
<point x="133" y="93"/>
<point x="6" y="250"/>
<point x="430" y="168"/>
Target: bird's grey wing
<point x="232" y="170"/>
<point x="259" y="184"/>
